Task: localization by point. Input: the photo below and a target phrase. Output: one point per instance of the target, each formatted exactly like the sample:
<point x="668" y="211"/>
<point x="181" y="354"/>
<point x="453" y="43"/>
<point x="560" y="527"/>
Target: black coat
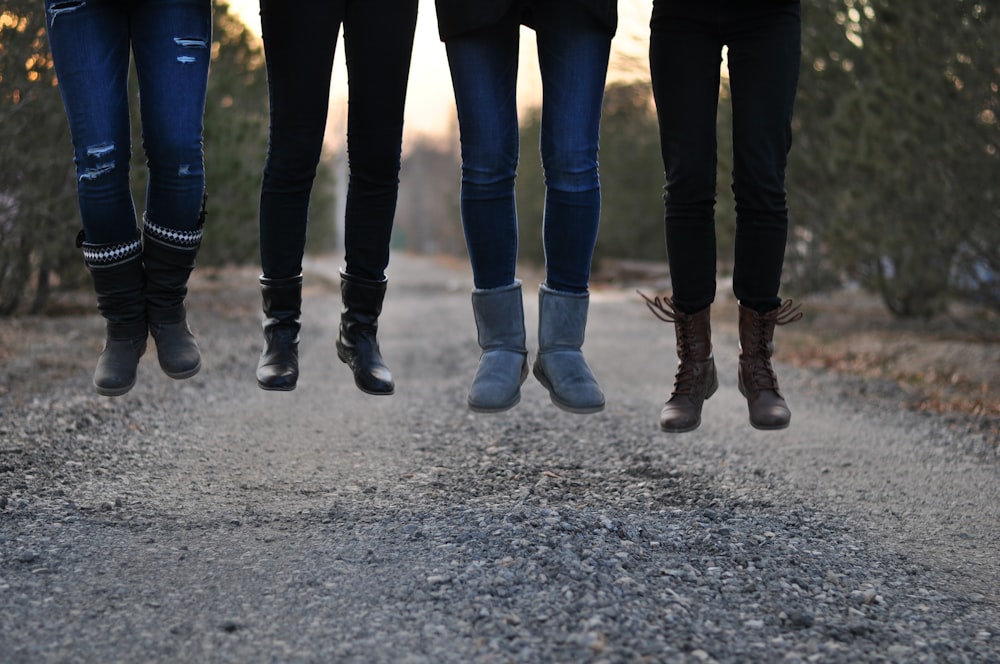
<point x="457" y="17"/>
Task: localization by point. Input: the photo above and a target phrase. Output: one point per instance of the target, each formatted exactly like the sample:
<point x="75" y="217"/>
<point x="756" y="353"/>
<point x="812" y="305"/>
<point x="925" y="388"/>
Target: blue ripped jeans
<point x="91" y="42"/>
<point x="573" y="52"/>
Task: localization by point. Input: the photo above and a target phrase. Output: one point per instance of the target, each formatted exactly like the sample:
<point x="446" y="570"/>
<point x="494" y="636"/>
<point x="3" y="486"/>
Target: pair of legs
<point x="299" y="45"/>
<point x="764" y="44"/>
<point x="764" y="50"/>
<point x="140" y="284"/>
<point x="573" y="51"/>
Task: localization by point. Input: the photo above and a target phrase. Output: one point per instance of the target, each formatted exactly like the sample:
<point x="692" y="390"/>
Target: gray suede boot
<point x="560" y="365"/>
<point x="503" y="366"/>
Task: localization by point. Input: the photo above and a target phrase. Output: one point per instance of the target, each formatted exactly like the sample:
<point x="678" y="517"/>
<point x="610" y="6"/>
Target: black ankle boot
<point x="278" y="368"/>
<point x="357" y="345"/>
<point x="118" y="282"/>
<point x="168" y="256"/>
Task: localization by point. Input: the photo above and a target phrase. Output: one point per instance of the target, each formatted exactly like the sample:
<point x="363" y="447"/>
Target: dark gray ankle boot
<point x="503" y="365"/>
<point x="560" y="365"/>
<point x="278" y="367"/>
<point x="168" y="255"/>
<point x="118" y="282"/>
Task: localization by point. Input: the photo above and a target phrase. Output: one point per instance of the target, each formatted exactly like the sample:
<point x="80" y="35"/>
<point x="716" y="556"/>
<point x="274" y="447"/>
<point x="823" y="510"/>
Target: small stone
<point x="230" y="626"/>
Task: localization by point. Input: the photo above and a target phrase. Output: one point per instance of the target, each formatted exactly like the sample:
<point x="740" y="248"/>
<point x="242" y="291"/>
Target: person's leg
<point x="171" y="40"/>
<point x="299" y="44"/>
<point x="684" y="58"/>
<point x="764" y="54"/>
<point x="685" y="55"/>
<point x="573" y="55"/>
<point x="90" y="50"/>
<point x="484" y="76"/>
<point x="378" y="40"/>
<point x="172" y="43"/>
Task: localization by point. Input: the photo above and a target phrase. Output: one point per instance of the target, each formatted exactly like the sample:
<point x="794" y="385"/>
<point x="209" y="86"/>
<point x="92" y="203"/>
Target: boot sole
<point x="494" y="409"/>
<point x="269" y="388"/>
<point x="684" y="430"/>
<point x="760" y="427"/>
<point x="114" y="391"/>
<point x="578" y="410"/>
<point x="373" y="392"/>
<point x="180" y="375"/>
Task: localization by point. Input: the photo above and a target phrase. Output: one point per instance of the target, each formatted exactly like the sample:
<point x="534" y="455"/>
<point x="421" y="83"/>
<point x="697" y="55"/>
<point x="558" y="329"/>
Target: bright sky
<point x="430" y="102"/>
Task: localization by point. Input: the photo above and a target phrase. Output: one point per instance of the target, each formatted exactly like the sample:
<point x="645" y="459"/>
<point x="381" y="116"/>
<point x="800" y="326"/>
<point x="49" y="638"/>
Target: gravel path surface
<point x="209" y="521"/>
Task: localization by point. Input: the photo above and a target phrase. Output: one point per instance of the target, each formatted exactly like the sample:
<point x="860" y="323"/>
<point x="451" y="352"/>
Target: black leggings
<point x="764" y="40"/>
<point x="299" y="43"/>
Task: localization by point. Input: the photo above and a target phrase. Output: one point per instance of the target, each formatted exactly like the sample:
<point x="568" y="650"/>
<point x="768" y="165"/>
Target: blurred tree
<point x="38" y="211"/>
<point x="897" y="161"/>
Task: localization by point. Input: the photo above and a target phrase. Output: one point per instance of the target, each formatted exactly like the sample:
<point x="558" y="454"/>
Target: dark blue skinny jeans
<point x="764" y="40"/>
<point x="171" y="42"/>
<point x="573" y="52"/>
<point x="299" y="43"/>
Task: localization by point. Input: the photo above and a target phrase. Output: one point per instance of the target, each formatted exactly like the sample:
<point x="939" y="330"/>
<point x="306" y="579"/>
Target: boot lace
<point x="665" y="310"/>
<point x="761" y="370"/>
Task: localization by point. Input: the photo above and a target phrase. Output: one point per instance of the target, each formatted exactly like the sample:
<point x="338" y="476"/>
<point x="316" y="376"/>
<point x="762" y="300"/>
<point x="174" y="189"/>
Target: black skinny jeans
<point x="764" y="40"/>
<point x="299" y="43"/>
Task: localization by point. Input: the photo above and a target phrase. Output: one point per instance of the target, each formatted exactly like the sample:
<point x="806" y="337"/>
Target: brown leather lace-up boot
<point x="757" y="381"/>
<point x="696" y="378"/>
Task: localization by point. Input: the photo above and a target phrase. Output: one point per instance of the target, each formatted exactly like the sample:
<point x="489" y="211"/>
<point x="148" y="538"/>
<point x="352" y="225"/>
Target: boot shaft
<point x="499" y="314"/>
<point x="693" y="331"/>
<point x="281" y="300"/>
<point x="756" y="332"/>
<point x="562" y="319"/>
<point x="362" y="300"/>
<point x="118" y="276"/>
<point x="169" y="257"/>
<point x="757" y="328"/>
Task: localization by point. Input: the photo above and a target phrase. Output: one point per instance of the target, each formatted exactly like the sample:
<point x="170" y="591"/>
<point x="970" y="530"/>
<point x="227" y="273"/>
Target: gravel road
<point x="209" y="521"/>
